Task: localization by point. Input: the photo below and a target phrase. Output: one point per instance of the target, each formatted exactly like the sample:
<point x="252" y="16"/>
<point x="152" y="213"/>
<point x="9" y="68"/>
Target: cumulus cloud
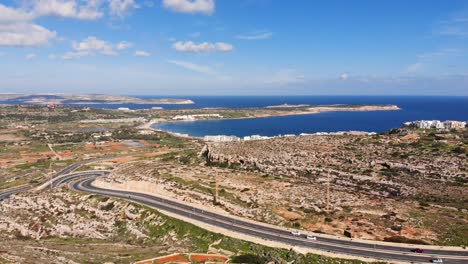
<point x="121" y="8"/>
<point x="11" y="15"/>
<point x="192" y="66"/>
<point x="189" y="46"/>
<point x="344" y="76"/>
<point x="93" y="44"/>
<point x="30" y="56"/>
<point x="190" y="6"/>
<point x="87" y="10"/>
<point x="256" y="36"/>
<point x="16" y="29"/>
<point x="24" y="34"/>
<point x="123" y="45"/>
<point x="142" y="53"/>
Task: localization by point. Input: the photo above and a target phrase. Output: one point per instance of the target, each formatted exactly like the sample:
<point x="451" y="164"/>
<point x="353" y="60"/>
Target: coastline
<point x="309" y="111"/>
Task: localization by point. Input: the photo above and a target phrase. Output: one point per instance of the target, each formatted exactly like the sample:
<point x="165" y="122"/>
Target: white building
<point x="255" y="137"/>
<point x="221" y="138"/>
<point x="436" y="124"/>
<point x="195" y="117"/>
<point x="454" y="124"/>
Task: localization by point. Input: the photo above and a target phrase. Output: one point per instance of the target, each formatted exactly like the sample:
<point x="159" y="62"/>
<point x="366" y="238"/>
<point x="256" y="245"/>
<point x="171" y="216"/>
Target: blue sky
<point x="234" y="47"/>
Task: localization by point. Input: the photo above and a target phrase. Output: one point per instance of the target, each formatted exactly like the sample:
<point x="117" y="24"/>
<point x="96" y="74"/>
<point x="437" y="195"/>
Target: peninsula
<point x="71" y="99"/>
<point x="174" y="115"/>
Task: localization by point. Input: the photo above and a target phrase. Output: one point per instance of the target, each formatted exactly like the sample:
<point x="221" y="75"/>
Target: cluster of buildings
<point x="436" y="124"/>
<point x="221" y="138"/>
<point x="224" y="138"/>
<point x="195" y="117"/>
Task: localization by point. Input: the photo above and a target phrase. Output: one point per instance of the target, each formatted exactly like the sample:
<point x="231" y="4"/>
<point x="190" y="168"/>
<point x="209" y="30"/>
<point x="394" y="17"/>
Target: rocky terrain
<point x="64" y="227"/>
<point x="366" y="202"/>
<point x="60" y="226"/>
<point x="408" y="184"/>
<point x="394" y="165"/>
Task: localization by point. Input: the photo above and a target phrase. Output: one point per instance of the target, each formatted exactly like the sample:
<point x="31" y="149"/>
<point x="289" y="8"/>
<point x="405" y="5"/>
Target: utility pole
<point x="328" y="192"/>
<point x="216" y="188"/>
<point x="50" y="171"/>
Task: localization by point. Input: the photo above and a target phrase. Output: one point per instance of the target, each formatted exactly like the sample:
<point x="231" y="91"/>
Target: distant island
<point x="70" y="99"/>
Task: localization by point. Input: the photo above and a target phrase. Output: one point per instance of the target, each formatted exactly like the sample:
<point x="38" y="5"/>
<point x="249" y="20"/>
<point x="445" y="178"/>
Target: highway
<point x="336" y="245"/>
<point x="82" y="183"/>
<point x="5" y="194"/>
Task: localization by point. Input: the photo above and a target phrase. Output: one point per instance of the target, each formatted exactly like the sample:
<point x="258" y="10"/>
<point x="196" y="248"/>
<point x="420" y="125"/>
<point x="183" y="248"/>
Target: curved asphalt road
<point x="7" y="193"/>
<point x="386" y="252"/>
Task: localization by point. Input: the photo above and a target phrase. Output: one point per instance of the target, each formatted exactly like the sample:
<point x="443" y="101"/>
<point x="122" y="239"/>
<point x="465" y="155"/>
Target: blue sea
<point x="412" y="108"/>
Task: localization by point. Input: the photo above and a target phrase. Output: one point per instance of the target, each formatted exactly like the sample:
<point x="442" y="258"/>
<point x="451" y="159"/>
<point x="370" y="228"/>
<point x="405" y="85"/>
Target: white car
<point x="437" y="260"/>
<point x="311" y="237"/>
<point x="296" y="233"/>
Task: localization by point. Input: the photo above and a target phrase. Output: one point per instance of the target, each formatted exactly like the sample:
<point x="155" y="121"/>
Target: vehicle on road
<point x="311" y="237"/>
<point x="417" y="250"/>
<point x="437" y="260"/>
<point x="296" y="233"/>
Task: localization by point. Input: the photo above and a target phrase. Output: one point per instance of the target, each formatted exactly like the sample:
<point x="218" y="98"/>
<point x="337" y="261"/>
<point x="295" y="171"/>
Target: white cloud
<point x="190" y="6"/>
<point x="24" y="34"/>
<point x="189" y="46"/>
<point x="344" y="76"/>
<point x="122" y="8"/>
<point x="92" y="44"/>
<point x="224" y="47"/>
<point x="11" y="15"/>
<point x="193" y="67"/>
<point x="256" y="36"/>
<point x="142" y="53"/>
<point x="16" y="29"/>
<point x="123" y="45"/>
<point x="89" y="10"/>
<point x="30" y="56"/>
